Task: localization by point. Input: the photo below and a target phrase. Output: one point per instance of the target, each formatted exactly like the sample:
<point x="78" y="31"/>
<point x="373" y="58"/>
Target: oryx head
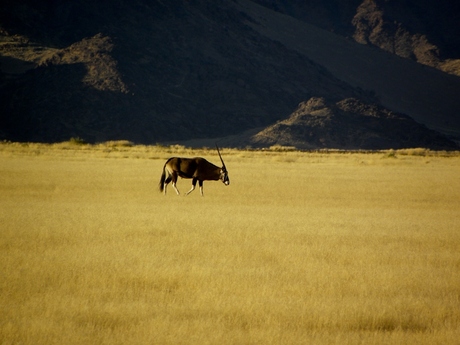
<point x="223" y="171"/>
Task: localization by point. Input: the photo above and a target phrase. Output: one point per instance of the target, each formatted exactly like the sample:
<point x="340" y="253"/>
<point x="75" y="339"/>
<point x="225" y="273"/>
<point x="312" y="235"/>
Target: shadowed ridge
<point x="349" y="124"/>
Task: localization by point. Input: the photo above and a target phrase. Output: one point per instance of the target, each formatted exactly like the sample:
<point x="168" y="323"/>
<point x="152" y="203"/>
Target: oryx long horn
<point x="223" y="164"/>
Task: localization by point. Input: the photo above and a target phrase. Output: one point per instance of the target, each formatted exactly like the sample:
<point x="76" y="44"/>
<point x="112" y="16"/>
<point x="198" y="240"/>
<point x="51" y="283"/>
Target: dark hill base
<point x="349" y="124"/>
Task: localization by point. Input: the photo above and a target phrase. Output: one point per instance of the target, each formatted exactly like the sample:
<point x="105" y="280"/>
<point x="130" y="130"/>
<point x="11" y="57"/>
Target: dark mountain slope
<point x="422" y="30"/>
<point x="426" y="94"/>
<point x="151" y="71"/>
<point x="156" y="71"/>
<point x="349" y="124"/>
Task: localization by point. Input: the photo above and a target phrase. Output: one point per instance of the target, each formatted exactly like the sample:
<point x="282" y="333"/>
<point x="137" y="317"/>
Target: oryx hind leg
<point x="173" y="178"/>
<point x="165" y="184"/>
<point x="193" y="186"/>
<point x="175" y="188"/>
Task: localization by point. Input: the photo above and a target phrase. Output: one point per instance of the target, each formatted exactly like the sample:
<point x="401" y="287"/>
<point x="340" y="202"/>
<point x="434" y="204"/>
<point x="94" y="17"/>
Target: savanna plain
<point x="300" y="248"/>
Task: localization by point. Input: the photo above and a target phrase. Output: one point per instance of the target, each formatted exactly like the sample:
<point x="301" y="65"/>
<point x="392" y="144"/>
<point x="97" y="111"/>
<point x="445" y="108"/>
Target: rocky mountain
<point x="156" y="71"/>
<point x="348" y="124"/>
<point x="424" y="31"/>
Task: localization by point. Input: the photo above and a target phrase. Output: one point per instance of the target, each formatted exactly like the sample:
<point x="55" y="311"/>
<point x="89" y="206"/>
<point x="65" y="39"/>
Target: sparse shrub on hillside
<point x="77" y="141"/>
<point x="176" y="148"/>
<point x="424" y="152"/>
<point x="418" y="151"/>
<point x="279" y="148"/>
<point x="119" y="143"/>
<point x="390" y="154"/>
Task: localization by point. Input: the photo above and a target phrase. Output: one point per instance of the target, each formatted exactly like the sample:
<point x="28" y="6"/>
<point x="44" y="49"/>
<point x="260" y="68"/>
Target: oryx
<point x="198" y="169"/>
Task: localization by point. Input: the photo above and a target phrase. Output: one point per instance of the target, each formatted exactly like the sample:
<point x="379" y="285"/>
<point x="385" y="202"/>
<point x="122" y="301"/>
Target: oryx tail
<point x="162" y="184"/>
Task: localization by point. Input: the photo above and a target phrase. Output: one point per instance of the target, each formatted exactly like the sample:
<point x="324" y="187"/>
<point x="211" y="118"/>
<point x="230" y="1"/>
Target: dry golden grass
<point x="320" y="248"/>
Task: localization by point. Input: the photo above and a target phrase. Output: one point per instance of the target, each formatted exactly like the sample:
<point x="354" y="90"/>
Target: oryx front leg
<point x="201" y="187"/>
<point x="193" y="186"/>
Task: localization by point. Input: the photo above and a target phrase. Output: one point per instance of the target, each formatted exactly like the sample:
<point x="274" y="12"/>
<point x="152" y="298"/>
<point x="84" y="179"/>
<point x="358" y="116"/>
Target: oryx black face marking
<point x="197" y="169"/>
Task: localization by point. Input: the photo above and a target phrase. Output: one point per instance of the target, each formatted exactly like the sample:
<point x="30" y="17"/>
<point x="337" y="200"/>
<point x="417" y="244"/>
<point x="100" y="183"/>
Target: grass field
<point x="301" y="248"/>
